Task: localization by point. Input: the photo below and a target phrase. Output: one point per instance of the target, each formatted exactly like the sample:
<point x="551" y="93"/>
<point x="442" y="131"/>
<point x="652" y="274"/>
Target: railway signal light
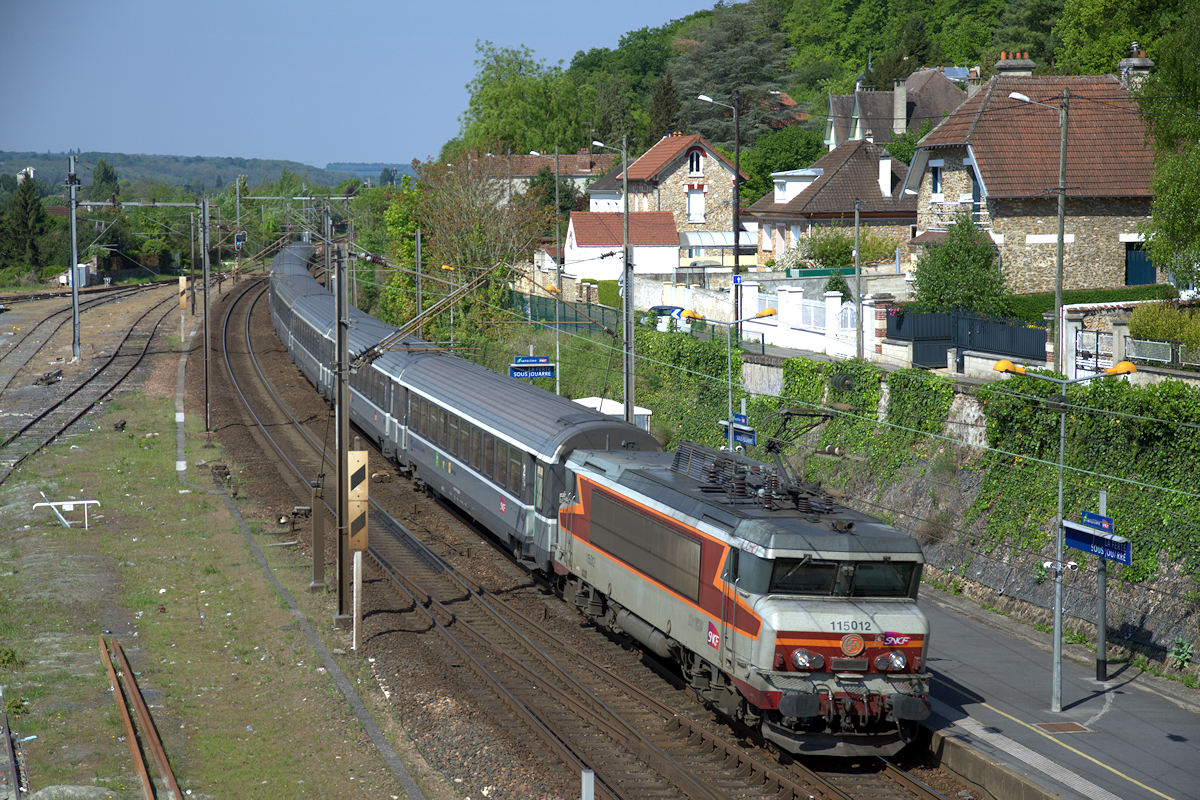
<point x="357" y="492"/>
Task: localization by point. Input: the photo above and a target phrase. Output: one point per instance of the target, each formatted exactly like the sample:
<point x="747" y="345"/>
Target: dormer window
<point x="935" y="180"/>
<point x="780" y="191"/>
<point x="695" y="163"/>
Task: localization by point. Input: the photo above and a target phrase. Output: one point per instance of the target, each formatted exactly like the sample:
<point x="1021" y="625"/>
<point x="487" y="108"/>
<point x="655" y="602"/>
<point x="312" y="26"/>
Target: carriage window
<point x="452" y="437"/>
<point x="476" y="435"/>
<point x="516" y="476"/>
<point x="489" y="456"/>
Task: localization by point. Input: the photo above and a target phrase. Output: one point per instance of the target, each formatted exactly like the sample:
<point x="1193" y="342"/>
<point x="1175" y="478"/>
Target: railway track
<point x="578" y="707"/>
<point x="52" y="422"/>
<point x="21" y="351"/>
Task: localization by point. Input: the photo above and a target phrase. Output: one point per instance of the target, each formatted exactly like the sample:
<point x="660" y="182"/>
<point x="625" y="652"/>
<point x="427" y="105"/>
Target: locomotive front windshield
<point x="827" y="578"/>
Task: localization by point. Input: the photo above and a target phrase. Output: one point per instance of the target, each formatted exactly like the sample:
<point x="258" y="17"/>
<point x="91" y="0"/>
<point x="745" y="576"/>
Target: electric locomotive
<point x="792" y="614"/>
<point x="784" y="610"/>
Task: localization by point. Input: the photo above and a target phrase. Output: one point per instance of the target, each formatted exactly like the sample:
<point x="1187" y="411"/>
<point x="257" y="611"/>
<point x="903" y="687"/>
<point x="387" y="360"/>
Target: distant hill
<point x="369" y="169"/>
<point x="199" y="173"/>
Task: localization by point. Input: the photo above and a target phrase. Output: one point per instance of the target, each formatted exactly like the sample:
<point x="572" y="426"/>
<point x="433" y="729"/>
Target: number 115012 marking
<point x="842" y="625"/>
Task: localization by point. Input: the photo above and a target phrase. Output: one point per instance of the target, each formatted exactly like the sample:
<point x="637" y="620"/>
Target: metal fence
<point x="1171" y="354"/>
<point x="933" y="333"/>
<point x="590" y="319"/>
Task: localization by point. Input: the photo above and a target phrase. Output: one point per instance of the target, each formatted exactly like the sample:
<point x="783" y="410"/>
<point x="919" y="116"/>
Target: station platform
<point x="1132" y="737"/>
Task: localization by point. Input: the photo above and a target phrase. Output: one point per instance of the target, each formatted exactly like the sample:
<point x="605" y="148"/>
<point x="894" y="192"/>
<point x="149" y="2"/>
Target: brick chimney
<point x="899" y="106"/>
<point x="1015" y="65"/>
<point x="1134" y="69"/>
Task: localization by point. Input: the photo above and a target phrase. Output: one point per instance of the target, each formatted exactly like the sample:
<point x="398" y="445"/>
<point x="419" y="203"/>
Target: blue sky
<point x="357" y="80"/>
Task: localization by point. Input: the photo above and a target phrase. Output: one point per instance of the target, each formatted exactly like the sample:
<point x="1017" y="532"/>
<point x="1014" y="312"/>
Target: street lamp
<point x="688" y="314"/>
<point x="737" y="196"/>
<point x="1062" y="208"/>
<point x="557" y="268"/>
<point x="627" y="276"/>
<point x="1120" y="368"/>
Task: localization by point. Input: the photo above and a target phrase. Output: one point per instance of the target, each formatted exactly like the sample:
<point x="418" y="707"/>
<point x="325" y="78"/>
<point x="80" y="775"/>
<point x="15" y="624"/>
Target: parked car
<point x="661" y="318"/>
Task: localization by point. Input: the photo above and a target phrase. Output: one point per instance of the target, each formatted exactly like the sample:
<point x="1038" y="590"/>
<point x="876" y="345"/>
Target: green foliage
<point x="1113" y="427"/>
<point x="1033" y="306"/>
<point x="962" y="272"/>
<point x="1181" y="653"/>
<point x="837" y="283"/>
<point x="903" y="147"/>
<point x="1096" y="34"/>
<point x="788" y="148"/>
<point x="1165" y="322"/>
<point x="24" y="222"/>
<point x="105" y="185"/>
<point x="687" y="385"/>
<point x="833" y="248"/>
<point x="1170" y="105"/>
<point x="665" y="111"/>
<point x="518" y="104"/>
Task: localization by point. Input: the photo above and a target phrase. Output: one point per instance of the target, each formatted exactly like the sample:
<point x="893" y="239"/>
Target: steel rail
<point x="149" y="730"/>
<point x="565" y="754"/>
<point x="135" y="753"/>
<point x="7" y="468"/>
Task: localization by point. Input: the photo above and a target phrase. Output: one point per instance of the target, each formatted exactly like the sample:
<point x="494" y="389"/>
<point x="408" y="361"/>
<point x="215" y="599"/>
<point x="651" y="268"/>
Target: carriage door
<point x="725" y="652"/>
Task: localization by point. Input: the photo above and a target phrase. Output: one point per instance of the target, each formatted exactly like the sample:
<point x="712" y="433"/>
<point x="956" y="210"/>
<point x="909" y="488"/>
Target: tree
<point x="904" y="146"/>
<point x="1096" y="34"/>
<point x="518" y="104"/>
<point x="1170" y="105"/>
<point x="469" y="227"/>
<point x="962" y="272"/>
<point x="665" y="110"/>
<point x="788" y="148"/>
<point x="105" y="184"/>
<point x="24" y="223"/>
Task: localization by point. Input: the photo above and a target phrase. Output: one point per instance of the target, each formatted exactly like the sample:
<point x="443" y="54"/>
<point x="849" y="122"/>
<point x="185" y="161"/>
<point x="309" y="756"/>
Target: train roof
<point x="819" y="526"/>
<point x="541" y="421"/>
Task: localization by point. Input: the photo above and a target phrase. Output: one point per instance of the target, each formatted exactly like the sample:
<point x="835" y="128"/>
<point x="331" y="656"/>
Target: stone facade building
<point x="824" y="195"/>
<point x="996" y="158"/>
<point x="681" y="174"/>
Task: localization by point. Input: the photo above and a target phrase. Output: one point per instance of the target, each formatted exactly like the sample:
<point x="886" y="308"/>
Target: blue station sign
<point x="524" y="371"/>
<point x="531" y="360"/>
<point x="1089" y="540"/>
<point x="742" y="433"/>
<point x="1097" y="521"/>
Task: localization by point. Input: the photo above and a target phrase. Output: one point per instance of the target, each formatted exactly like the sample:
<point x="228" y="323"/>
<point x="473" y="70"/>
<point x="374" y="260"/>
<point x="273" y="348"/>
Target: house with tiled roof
<point x="927" y="94"/>
<point x="595" y="241"/>
<point x="580" y="168"/>
<point x="682" y="174"/>
<point x="997" y="159"/>
<point x="824" y="195"/>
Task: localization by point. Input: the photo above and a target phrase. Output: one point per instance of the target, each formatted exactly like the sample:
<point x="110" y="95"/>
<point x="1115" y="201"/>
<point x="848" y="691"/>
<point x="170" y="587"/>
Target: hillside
<point x="198" y="173"/>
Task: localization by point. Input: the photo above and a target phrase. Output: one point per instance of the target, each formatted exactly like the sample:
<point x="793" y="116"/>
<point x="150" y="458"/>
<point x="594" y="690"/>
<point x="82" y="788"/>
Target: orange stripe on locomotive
<point x="713" y="592"/>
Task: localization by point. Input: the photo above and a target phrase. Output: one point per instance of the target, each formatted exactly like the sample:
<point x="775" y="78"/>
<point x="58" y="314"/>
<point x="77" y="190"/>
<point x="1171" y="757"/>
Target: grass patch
<point x="165" y="572"/>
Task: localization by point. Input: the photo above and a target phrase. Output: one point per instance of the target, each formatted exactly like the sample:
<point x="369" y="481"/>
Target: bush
<point x="837" y="283"/>
<point x="1033" y="306"/>
<point x="833" y="248"/>
<point x="962" y="273"/>
<point x="1165" y="322"/>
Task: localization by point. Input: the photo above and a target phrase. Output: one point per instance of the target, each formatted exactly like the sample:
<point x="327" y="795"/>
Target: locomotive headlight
<point x="804" y="660"/>
<point x="891" y="662"/>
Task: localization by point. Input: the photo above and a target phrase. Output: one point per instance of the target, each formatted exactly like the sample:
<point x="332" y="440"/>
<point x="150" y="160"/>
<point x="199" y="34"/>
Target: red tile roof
<point x="607" y="229"/>
<point x="569" y="164"/>
<point x="652" y="164"/>
<point x="1016" y="145"/>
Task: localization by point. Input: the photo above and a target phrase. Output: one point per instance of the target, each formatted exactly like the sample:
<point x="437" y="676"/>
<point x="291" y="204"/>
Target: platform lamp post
<point x="626" y="275"/>
<point x="688" y="314"/>
<point x="1062" y="209"/>
<point x="1060" y="400"/>
<point x="737" y="194"/>
<point x="557" y="272"/>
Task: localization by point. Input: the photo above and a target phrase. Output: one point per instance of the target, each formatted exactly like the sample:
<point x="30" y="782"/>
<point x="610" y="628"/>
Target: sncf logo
<point x="714" y="638"/>
<point x="896" y="638"/>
